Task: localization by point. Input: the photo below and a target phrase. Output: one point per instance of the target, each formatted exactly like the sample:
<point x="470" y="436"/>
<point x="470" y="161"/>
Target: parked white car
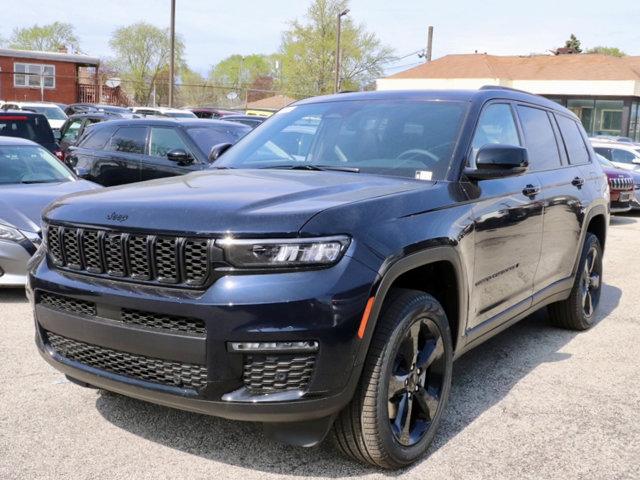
<point x="163" y="112"/>
<point x="622" y="154"/>
<point x="55" y="115"/>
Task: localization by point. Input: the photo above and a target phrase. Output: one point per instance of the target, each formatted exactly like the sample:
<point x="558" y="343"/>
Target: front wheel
<point x="405" y="384"/>
<point x="578" y="311"/>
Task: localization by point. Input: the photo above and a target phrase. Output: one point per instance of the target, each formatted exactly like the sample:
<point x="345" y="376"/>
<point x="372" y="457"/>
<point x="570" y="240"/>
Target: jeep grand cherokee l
<point x="330" y="289"/>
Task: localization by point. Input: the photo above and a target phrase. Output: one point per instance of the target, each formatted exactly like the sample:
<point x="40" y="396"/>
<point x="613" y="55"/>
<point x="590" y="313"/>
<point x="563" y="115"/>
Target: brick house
<point x="48" y="76"/>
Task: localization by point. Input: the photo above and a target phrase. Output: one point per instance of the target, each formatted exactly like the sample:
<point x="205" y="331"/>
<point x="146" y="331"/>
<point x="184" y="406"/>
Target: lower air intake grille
<point x="164" y="372"/>
<point x="276" y="373"/>
<point x="67" y="304"/>
<point x="164" y="322"/>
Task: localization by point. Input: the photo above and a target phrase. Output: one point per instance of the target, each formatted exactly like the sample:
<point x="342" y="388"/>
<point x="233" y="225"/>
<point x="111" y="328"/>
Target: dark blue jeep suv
<point x="324" y="273"/>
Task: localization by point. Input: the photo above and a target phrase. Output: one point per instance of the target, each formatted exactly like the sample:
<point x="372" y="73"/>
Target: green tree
<point x="308" y="52"/>
<point x="238" y="70"/>
<point x="612" y="51"/>
<point x="573" y="43"/>
<point x="142" y="58"/>
<point x="194" y="90"/>
<point x="51" y="37"/>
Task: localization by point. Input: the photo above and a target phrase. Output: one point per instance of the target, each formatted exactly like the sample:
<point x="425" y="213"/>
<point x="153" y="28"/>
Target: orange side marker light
<point x="365" y="317"/>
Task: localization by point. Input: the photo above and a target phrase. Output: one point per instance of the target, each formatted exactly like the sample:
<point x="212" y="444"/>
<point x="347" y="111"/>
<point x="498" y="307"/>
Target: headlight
<point x="10" y="233"/>
<point x="284" y="252"/>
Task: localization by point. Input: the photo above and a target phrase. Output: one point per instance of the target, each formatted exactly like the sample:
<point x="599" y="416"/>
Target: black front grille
<point x="164" y="372"/>
<point x="178" y="261"/>
<point x="276" y="373"/>
<point x="68" y="304"/>
<point x="173" y="323"/>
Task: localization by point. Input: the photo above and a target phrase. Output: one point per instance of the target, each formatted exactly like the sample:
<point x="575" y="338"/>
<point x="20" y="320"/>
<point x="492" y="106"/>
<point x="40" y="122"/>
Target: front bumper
<point x="324" y="306"/>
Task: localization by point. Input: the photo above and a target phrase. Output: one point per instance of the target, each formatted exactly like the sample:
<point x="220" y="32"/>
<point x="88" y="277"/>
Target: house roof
<point x="50" y="56"/>
<point x="533" y="67"/>
<point x="271" y="103"/>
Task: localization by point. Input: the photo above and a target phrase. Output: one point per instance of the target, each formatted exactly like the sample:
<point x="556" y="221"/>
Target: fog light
<point x="256" y="347"/>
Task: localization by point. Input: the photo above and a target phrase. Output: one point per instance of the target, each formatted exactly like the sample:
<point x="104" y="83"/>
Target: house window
<point x="32" y="74"/>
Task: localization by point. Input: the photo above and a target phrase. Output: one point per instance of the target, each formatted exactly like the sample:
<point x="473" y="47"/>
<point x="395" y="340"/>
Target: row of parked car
<point x="47" y="152"/>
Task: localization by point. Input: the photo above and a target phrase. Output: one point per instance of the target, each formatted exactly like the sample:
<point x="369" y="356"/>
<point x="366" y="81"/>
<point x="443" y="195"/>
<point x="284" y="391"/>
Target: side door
<point x="156" y="164"/>
<point x="507" y="219"/>
<point x="120" y="162"/>
<point x="564" y="194"/>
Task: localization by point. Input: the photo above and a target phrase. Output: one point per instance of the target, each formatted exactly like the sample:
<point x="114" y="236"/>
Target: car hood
<point x="226" y="201"/>
<point x="22" y="205"/>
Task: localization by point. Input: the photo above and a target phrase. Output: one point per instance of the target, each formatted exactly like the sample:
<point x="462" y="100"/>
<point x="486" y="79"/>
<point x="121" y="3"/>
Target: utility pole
<point x="173" y="48"/>
<point x="336" y="87"/>
<point x="429" y="44"/>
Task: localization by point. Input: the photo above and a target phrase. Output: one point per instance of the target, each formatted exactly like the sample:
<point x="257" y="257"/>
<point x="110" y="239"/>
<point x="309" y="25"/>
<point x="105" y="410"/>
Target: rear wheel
<point x="578" y="311"/>
<point x="404" y="387"/>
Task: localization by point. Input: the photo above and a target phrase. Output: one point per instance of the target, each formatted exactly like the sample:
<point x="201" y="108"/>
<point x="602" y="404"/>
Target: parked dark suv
<point x="132" y="150"/>
<point x="333" y="285"/>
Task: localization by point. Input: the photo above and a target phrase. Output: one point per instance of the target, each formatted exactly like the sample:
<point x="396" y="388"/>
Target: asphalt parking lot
<point x="534" y="402"/>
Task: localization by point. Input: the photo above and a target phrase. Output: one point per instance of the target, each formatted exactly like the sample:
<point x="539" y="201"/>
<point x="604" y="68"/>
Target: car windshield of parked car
<point x="51" y="112"/>
<point x="181" y="114"/>
<point x="413" y="139"/>
<point x="35" y="128"/>
<point x="30" y="164"/>
<point x="206" y="137"/>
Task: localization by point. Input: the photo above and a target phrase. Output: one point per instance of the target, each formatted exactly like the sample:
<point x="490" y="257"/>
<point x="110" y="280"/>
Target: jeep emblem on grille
<point x="118" y="217"/>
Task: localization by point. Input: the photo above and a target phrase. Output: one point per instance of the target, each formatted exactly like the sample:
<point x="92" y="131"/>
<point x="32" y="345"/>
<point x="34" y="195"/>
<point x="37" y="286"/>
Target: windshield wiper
<point x="318" y="168"/>
<point x="28" y="182"/>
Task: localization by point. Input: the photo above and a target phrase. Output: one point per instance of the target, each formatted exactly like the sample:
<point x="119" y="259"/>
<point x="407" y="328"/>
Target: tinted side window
<point x="576" y="148"/>
<point x="163" y="140"/>
<point x="539" y="138"/>
<point x="95" y="138"/>
<point x="605" y="152"/>
<point x="496" y="125"/>
<point x="129" y="140"/>
<point x="622" y="156"/>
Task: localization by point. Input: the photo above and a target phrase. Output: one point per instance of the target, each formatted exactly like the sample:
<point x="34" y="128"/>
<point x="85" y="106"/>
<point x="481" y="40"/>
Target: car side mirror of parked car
<point x="497" y="161"/>
<point x="218" y="150"/>
<point x="57" y="135"/>
<point x="179" y="156"/>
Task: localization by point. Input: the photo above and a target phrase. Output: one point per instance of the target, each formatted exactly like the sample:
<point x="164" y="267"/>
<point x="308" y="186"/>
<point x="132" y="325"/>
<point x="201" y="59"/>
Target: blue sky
<point x="214" y="29"/>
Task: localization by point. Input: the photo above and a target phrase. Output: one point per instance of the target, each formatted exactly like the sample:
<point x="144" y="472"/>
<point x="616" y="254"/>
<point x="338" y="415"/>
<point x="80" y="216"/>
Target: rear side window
<point x="128" y="140"/>
<point x="71" y="132"/>
<point x="573" y="141"/>
<point x="35" y="128"/>
<point x="95" y="138"/>
<point x="539" y="138"/>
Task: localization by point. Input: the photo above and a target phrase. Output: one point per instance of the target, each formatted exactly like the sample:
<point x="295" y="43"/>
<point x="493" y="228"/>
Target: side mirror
<point x="497" y="161"/>
<point x="218" y="150"/>
<point x="57" y="135"/>
<point x="179" y="156"/>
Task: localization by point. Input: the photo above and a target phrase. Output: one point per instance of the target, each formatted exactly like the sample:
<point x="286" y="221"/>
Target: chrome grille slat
<point x="176" y="261"/>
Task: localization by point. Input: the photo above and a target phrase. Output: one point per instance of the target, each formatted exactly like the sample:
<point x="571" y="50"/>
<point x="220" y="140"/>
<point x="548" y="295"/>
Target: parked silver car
<point x="30" y="178"/>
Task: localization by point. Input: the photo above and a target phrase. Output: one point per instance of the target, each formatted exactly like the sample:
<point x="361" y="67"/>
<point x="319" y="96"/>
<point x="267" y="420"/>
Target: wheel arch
<point x="406" y="273"/>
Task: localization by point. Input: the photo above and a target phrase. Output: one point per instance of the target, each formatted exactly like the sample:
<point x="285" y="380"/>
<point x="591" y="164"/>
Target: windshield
<point x="413" y="139"/>
<point x="52" y="112"/>
<point x="30" y="164"/>
<point x="207" y="137"/>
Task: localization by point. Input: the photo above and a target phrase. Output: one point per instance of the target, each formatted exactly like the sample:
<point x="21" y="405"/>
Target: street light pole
<point x="336" y="87"/>
<point x="173" y="47"/>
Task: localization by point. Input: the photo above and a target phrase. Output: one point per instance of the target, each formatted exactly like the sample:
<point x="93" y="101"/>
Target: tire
<point x="573" y="313"/>
<point x="389" y="386"/>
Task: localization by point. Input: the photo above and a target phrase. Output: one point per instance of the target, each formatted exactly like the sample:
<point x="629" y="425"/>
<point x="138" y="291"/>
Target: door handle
<point x="530" y="190"/>
<point x="577" y="182"/>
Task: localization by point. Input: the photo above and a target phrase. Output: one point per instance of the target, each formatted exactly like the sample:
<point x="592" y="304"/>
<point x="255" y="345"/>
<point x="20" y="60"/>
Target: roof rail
<point x="499" y="87"/>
